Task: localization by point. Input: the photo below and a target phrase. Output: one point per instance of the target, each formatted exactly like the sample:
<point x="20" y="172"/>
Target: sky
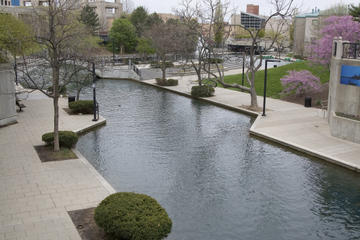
<point x="167" y="6"/>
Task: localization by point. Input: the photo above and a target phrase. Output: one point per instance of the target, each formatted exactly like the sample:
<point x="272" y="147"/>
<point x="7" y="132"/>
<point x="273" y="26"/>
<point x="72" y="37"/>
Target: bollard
<point x="307" y="102"/>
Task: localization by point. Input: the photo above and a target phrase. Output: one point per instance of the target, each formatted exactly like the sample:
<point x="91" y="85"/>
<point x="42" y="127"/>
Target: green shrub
<point x="132" y="216"/>
<point x="159" y="64"/>
<point x="82" y="106"/>
<point x="214" y="60"/>
<point x="202" y="91"/>
<point x="166" y="82"/>
<point x="66" y="138"/>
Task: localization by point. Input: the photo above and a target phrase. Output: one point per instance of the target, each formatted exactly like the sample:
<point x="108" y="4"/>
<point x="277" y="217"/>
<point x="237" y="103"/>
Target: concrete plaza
<point x="36" y="196"/>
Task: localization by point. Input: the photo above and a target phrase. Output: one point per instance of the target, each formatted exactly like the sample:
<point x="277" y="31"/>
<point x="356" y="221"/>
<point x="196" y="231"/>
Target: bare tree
<point x="281" y="9"/>
<point x="170" y="39"/>
<point x="205" y="12"/>
<point x="64" y="45"/>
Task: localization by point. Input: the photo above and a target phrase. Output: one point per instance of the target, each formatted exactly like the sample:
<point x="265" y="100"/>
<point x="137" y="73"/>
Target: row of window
<point x="5" y="3"/>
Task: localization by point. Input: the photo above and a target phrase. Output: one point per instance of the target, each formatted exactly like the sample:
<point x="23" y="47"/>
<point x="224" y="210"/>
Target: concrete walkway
<point x="292" y="125"/>
<point x="35" y="196"/>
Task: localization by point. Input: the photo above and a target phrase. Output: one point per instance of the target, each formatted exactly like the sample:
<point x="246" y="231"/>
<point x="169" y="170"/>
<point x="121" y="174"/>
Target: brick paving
<point x="35" y="196"/>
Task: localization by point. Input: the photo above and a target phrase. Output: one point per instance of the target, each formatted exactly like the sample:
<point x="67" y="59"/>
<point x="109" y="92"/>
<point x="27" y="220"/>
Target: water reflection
<point x="215" y="181"/>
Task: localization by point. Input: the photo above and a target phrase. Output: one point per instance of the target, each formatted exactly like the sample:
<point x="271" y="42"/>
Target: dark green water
<point x="214" y="180"/>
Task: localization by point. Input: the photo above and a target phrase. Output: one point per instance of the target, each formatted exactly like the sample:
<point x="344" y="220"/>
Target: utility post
<point x="265" y="82"/>
<point x="94" y="92"/>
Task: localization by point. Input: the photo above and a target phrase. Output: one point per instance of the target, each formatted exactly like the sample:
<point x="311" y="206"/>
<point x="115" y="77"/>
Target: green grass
<point x="274" y="86"/>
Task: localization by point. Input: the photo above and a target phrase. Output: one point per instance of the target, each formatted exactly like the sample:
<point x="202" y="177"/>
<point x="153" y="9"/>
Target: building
<point x="306" y="30"/>
<point x="5" y="3"/>
<point x="253" y="9"/>
<point x="166" y="16"/>
<point x="107" y="10"/>
<point x="248" y="19"/>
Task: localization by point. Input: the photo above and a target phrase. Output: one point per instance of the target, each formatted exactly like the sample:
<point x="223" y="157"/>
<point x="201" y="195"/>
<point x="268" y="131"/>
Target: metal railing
<point x="351" y="50"/>
<point x="136" y="69"/>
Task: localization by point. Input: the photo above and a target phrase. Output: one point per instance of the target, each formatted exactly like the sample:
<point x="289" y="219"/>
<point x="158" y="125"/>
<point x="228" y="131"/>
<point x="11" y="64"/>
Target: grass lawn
<point x="274" y="86"/>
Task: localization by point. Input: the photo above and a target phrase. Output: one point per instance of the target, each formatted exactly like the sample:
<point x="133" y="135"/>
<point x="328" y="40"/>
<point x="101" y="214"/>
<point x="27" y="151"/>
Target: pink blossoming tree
<point x="300" y="83"/>
<point x="334" y="26"/>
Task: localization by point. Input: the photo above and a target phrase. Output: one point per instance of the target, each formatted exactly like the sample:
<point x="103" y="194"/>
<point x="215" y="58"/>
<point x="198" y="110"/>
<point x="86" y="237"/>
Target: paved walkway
<point x="303" y="129"/>
<point x="35" y="196"/>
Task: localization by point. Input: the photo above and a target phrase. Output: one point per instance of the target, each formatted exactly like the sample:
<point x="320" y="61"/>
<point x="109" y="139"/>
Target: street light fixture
<point x="265" y="82"/>
<point x="94" y="91"/>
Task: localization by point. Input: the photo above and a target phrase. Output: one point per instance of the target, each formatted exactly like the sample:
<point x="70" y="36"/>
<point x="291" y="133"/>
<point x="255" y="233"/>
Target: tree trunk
<point x="78" y="94"/>
<point x="55" y="75"/>
<point x="163" y="68"/>
<point x="253" y="94"/>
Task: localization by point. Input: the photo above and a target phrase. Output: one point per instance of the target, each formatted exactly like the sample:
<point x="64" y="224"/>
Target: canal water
<point x="215" y="181"/>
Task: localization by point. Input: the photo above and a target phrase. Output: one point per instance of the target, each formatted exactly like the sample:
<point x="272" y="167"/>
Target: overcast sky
<point x="167" y="6"/>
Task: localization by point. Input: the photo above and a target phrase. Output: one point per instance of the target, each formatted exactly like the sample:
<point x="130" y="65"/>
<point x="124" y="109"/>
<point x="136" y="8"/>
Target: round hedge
<point x="66" y="138"/>
<point x="132" y="216"/>
<point x="82" y="106"/>
<point x="202" y="91"/>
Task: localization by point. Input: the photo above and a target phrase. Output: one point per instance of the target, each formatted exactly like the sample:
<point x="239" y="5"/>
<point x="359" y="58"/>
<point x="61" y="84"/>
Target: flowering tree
<point x="334" y="26"/>
<point x="300" y="82"/>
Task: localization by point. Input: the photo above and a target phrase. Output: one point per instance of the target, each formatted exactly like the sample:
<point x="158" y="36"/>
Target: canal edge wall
<point x="254" y="132"/>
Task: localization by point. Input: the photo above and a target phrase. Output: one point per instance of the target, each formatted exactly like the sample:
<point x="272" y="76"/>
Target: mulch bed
<point x="46" y="154"/>
<point x="85" y="224"/>
<point x="317" y="97"/>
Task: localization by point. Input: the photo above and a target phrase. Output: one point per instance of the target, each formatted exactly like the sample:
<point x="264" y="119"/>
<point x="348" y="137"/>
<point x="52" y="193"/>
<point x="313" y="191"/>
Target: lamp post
<point x="94" y="91"/>
<point x="243" y="70"/>
<point x="265" y="82"/>
<point x="113" y="50"/>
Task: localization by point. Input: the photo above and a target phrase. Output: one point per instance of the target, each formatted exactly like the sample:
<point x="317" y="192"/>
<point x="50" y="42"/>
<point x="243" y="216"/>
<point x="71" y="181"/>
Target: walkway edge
<point x="97" y="175"/>
<point x="299" y="148"/>
<point x="254" y="132"/>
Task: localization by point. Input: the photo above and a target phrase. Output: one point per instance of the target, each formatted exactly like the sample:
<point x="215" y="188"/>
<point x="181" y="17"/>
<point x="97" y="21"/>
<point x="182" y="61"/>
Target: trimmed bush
<point x="166" y="82"/>
<point x="202" y="91"/>
<point x="82" y="106"/>
<point x="66" y="138"/>
<point x="130" y="216"/>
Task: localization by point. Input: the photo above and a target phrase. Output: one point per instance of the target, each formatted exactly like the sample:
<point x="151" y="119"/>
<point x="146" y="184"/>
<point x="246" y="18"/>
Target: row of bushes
<point x="82" y="106"/>
<point x="167" y="82"/>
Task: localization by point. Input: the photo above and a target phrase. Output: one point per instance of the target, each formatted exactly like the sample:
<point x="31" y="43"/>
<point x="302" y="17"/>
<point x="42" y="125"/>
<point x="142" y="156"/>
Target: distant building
<point x="253" y="9"/>
<point x="249" y="19"/>
<point x="107" y="10"/>
<point x="167" y="16"/>
<point x="306" y="30"/>
<point x="5" y="3"/>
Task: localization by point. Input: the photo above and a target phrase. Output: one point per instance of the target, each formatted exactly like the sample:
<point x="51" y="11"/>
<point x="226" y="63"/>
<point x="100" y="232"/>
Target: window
<point x="110" y="10"/>
<point x="91" y="0"/>
<point x="315" y="22"/>
<point x="27" y="4"/>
